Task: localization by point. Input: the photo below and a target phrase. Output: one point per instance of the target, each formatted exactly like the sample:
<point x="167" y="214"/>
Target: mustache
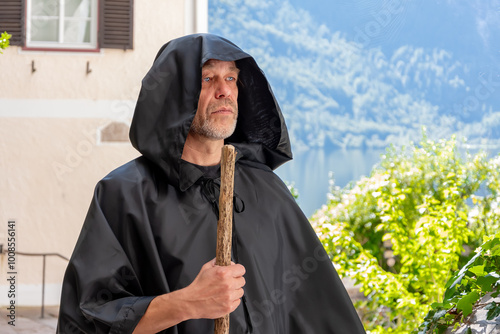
<point x="227" y="103"/>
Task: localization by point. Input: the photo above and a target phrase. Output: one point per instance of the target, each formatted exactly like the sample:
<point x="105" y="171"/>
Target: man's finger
<point x="238" y="270"/>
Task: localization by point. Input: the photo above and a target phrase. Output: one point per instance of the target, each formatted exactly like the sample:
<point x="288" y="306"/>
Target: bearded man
<point x="144" y="260"/>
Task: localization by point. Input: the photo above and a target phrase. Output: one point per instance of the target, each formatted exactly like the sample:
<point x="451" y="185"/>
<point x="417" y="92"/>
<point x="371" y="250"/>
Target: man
<point x="144" y="260"/>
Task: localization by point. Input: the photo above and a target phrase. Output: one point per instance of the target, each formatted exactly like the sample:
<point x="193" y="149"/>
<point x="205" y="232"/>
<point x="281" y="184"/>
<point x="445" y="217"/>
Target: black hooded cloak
<point x="152" y="222"/>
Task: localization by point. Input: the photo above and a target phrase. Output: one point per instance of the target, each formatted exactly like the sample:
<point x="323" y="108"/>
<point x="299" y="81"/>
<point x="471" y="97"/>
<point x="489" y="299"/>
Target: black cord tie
<point x="211" y="190"/>
<point x="238" y="204"/>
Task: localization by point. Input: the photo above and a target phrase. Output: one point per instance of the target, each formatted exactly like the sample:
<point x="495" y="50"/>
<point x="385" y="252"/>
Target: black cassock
<point x="152" y="222"/>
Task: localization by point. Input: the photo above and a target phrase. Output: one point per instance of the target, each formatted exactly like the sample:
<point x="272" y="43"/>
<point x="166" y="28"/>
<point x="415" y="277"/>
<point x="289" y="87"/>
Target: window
<point x="62" y="23"/>
<point x="68" y="24"/>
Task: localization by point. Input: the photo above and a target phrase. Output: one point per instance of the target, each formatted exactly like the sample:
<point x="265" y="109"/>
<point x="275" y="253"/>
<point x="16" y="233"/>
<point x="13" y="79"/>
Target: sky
<point x="357" y="76"/>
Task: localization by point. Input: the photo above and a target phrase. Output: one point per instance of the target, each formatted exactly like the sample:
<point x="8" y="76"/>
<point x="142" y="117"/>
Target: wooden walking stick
<point x="225" y="223"/>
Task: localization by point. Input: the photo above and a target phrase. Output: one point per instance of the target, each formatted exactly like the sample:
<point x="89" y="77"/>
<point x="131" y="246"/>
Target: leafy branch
<point x="4" y="40"/>
<point x="465" y="289"/>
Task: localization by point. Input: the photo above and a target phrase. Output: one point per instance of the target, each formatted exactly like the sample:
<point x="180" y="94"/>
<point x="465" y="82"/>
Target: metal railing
<point x="44" y="255"/>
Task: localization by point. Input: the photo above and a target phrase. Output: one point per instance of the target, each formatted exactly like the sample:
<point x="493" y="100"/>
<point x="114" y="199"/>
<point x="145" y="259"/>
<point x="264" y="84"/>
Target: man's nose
<point x="222" y="90"/>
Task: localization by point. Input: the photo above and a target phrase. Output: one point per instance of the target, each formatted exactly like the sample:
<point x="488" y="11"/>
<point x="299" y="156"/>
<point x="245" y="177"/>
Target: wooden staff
<point x="225" y="223"/>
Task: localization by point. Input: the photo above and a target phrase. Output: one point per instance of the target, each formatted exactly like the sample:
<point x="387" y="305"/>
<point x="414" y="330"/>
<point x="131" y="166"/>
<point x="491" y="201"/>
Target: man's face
<point x="218" y="103"/>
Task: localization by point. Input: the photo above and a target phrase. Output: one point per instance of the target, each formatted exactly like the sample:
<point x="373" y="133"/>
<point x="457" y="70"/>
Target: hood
<point x="168" y="102"/>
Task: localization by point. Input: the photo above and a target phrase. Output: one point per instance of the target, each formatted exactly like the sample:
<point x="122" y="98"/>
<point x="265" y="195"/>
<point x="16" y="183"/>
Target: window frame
<point x="115" y="26"/>
<point x="59" y="45"/>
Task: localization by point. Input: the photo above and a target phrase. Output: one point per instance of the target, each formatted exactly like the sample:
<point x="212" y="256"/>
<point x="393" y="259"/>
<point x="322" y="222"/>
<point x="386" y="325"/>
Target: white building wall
<point x="51" y="152"/>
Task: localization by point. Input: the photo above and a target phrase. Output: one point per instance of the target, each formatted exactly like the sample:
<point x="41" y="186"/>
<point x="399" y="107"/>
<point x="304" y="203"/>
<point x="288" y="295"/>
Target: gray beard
<point x="208" y="130"/>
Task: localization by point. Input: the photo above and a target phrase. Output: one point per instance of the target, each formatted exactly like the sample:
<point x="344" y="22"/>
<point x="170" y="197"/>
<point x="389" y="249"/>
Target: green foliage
<point x="481" y="275"/>
<point x="402" y="232"/>
<point x="4" y="40"/>
<point x="293" y="190"/>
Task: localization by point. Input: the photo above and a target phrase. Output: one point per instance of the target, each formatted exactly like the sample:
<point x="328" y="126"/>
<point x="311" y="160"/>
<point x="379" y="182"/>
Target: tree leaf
<point x="486" y="282"/>
<point x="458" y="277"/>
<point x="493" y="311"/>
<point x="465" y="304"/>
<point x="439" y="314"/>
<point x="477" y="270"/>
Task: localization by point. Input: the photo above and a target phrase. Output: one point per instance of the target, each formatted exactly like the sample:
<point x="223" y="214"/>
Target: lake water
<point x="309" y="172"/>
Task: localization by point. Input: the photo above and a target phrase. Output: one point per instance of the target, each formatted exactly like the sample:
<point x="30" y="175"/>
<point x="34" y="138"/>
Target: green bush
<point x="401" y="232"/>
<point x="4" y="40"/>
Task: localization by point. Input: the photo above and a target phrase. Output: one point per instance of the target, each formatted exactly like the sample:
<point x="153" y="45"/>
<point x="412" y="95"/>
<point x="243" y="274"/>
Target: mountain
<point x="365" y="74"/>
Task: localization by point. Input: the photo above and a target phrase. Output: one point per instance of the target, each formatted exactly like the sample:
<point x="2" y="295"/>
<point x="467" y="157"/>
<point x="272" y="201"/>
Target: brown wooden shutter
<point x="116" y="24"/>
<point x="12" y="20"/>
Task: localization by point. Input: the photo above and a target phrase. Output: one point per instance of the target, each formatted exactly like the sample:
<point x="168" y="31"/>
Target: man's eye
<point x="231" y="79"/>
<point x="207" y="79"/>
